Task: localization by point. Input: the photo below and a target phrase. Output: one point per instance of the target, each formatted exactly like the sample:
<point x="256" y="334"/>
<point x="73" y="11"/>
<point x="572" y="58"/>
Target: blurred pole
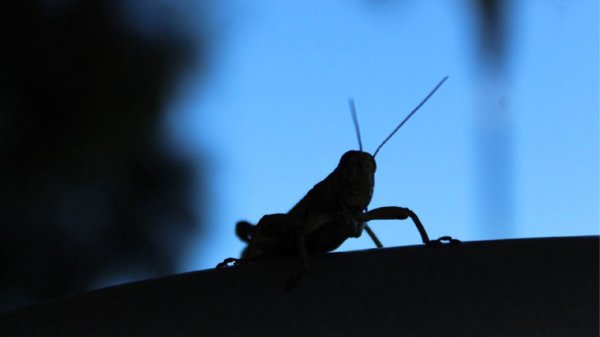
<point x="493" y="125"/>
<point x="494" y="160"/>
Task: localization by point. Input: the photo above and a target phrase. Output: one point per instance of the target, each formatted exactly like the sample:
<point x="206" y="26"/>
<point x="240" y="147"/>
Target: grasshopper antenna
<point x="355" y="120"/>
<point x="410" y="114"/>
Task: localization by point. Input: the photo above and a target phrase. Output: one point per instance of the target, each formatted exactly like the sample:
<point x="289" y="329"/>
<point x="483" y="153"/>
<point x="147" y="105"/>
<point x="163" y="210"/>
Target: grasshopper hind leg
<point x="244" y="231"/>
<point x="273" y="235"/>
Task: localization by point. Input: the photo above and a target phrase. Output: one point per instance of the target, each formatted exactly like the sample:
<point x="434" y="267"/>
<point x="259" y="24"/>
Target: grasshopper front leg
<point x="403" y="213"/>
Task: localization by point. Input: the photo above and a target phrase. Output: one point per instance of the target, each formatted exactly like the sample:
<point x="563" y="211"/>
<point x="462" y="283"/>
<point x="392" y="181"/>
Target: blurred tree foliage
<point x="86" y="191"/>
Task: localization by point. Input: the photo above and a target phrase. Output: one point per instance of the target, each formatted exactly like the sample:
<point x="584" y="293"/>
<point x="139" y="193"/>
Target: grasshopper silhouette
<point x="334" y="210"/>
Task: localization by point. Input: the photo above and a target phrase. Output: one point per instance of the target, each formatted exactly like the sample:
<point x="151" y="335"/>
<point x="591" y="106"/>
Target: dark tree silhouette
<point x="85" y="190"/>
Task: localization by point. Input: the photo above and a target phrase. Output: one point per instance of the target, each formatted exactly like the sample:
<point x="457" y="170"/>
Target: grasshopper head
<point x="355" y="179"/>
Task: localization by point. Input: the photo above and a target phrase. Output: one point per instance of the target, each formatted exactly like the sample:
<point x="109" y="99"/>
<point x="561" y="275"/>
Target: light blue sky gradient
<point x="272" y="118"/>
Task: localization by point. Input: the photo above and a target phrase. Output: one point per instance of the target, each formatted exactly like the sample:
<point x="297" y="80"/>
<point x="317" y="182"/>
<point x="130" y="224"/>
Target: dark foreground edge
<point x="526" y="287"/>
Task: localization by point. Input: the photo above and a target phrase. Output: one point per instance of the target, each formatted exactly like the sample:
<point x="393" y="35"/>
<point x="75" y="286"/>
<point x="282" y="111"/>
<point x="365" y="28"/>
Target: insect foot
<point x="230" y="262"/>
<point x="443" y="240"/>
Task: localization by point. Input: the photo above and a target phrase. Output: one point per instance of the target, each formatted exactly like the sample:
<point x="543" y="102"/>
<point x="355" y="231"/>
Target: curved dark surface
<point x="526" y="287"/>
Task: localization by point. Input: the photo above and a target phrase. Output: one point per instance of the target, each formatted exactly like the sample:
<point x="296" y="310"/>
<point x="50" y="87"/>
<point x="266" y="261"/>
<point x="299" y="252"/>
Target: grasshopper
<point x="334" y="210"/>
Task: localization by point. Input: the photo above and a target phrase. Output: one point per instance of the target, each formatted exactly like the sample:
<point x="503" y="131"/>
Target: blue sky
<point x="272" y="119"/>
